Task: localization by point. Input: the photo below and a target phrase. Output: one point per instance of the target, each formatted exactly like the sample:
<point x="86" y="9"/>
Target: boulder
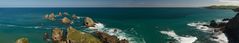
<point x="66" y="14"/>
<point x="89" y="22"/>
<point x="213" y="23"/>
<point x="232" y="29"/>
<point x="75" y="36"/>
<point x="22" y="40"/>
<point x="59" y="14"/>
<point x="74" y="16"/>
<point x="65" y="20"/>
<point x="57" y="35"/>
<point x="106" y="38"/>
<point x="51" y="17"/>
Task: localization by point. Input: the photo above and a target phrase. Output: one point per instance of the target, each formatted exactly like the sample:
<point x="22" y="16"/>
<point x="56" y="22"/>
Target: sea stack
<point x="65" y="20"/>
<point x="89" y="22"/>
<point x="51" y="17"/>
<point x="22" y="40"/>
<point x="57" y="35"/>
<point x="232" y="28"/>
<point x="74" y="16"/>
<point x="66" y="14"/>
<point x="59" y="14"/>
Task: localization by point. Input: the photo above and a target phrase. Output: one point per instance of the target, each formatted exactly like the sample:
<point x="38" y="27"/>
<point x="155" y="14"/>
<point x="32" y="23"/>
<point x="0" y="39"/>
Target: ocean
<point x="141" y="25"/>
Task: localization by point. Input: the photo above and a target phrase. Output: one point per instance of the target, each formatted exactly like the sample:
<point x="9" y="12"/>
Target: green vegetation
<point x="76" y="36"/>
<point x="222" y="7"/>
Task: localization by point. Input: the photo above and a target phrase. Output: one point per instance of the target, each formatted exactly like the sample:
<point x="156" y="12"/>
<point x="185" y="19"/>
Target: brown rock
<point x="59" y="14"/>
<point x="66" y="14"/>
<point x="89" y="22"/>
<point x="51" y="17"/>
<point x="74" y="16"/>
<point x="22" y="40"/>
<point x="106" y="38"/>
<point x="57" y="35"/>
<point x="65" y="20"/>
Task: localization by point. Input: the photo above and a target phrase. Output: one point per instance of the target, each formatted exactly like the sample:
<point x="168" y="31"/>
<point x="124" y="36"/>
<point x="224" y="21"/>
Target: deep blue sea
<point x="144" y="24"/>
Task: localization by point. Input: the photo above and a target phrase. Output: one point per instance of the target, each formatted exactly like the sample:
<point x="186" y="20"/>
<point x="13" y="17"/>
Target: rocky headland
<point x="230" y="27"/>
<point x="69" y="34"/>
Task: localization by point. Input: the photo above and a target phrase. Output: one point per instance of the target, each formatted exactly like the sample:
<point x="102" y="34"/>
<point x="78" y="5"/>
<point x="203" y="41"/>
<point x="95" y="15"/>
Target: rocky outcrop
<point x="89" y="22"/>
<point x="65" y="20"/>
<point x="106" y="38"/>
<point x="57" y="35"/>
<point x="59" y="14"/>
<point x="75" y="36"/>
<point x="74" y="16"/>
<point x="22" y="40"/>
<point x="51" y="17"/>
<point x="232" y="29"/>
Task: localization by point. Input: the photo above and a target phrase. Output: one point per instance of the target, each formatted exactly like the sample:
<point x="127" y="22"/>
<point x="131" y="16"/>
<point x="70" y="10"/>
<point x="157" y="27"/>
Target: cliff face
<point x="232" y="30"/>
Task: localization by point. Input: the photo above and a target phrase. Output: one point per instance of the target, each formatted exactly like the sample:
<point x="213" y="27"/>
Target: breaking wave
<point x="118" y="33"/>
<point x="180" y="39"/>
<point x="216" y="36"/>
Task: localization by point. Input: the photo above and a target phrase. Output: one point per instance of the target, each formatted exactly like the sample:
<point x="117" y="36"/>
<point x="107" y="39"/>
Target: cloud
<point x="227" y="2"/>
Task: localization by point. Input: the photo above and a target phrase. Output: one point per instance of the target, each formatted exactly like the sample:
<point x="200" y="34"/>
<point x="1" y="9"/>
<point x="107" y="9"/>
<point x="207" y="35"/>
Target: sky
<point x="114" y="3"/>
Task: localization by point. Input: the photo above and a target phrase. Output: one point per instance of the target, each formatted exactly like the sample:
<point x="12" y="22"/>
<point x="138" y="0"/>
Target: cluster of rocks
<point x="75" y="36"/>
<point x="230" y="28"/>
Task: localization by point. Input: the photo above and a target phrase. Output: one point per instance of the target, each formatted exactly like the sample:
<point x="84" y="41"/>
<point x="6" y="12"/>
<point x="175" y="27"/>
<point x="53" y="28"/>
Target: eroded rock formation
<point x="89" y="22"/>
<point x="57" y="35"/>
<point x="22" y="40"/>
<point x="106" y="38"/>
<point x="65" y="20"/>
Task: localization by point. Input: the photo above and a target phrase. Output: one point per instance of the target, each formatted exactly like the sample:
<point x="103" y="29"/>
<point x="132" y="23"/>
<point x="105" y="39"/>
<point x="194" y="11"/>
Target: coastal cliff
<point x="232" y="29"/>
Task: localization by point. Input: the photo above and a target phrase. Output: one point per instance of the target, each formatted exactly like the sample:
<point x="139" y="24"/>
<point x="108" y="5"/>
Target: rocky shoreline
<point x="69" y="34"/>
<point x="230" y="27"/>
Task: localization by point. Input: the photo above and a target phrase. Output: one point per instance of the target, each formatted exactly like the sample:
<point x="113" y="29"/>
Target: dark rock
<point x="106" y="38"/>
<point x="232" y="29"/>
<point x="213" y="23"/>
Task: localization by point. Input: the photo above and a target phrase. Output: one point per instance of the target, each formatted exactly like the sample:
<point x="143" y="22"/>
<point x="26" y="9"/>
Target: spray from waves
<point x="216" y="36"/>
<point x="116" y="32"/>
<point x="180" y="39"/>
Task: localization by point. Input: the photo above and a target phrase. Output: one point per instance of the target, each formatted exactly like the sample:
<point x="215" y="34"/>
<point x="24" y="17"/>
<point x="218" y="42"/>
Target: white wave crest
<point x="115" y="32"/>
<point x="200" y="26"/>
<point x="218" y="36"/>
<point x="180" y="39"/>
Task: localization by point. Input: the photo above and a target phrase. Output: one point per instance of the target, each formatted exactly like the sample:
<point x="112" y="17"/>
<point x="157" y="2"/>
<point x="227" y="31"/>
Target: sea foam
<point x="219" y="36"/>
<point x="180" y="39"/>
<point x="116" y="32"/>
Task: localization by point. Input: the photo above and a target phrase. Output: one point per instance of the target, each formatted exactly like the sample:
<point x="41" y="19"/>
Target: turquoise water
<point x="143" y="23"/>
